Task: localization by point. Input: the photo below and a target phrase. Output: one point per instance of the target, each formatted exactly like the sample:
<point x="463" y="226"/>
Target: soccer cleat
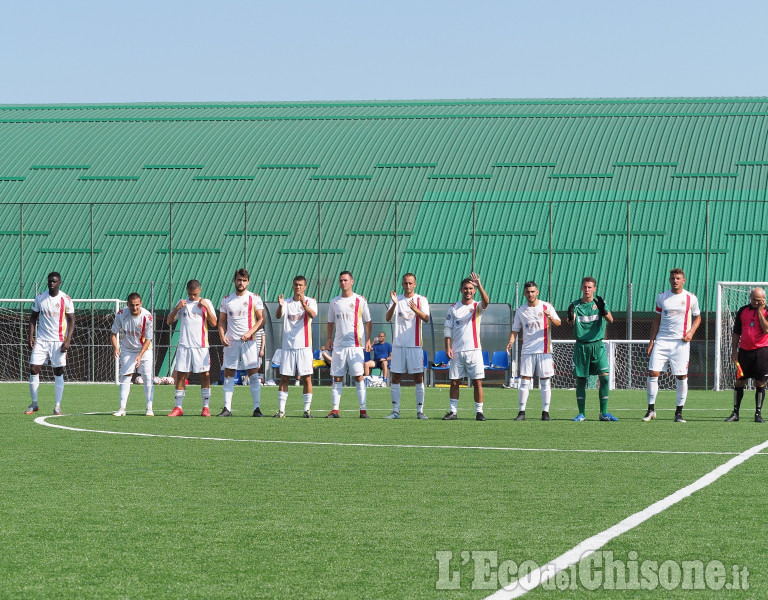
<point x="334" y="414"/>
<point x="449" y="416"/>
<point x="308" y="415"/>
<point x="279" y="414"/>
<point x="480" y="417"/>
<point x="176" y="412"/>
<point x="421" y="415"/>
<point x="520" y="416"/>
<point x="206" y="412"/>
<point x="679" y="418"/>
<point x="225" y="413"/>
<point x="33" y="408"/>
<point x="545" y="416"/>
<point x="393" y="415"/>
<point x="57" y="411"/>
<point x="734" y="417"/>
<point x="257" y="412"/>
<point x="608" y="417"/>
<point x="149" y="413"/>
<point x="650" y="415"/>
<point x="364" y="414"/>
<point x="579" y="417"/>
<point x="119" y="413"/>
<point x="759" y="418"/>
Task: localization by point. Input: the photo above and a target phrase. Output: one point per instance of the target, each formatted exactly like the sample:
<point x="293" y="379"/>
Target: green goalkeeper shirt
<point x="589" y="325"/>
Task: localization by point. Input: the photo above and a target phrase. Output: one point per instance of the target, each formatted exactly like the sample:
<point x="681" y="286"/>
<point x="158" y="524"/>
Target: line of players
<point x="241" y="320"/>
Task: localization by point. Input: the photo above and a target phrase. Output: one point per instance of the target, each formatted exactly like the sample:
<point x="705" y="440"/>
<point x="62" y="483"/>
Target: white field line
<point x="43" y="421"/>
<point x="594" y="543"/>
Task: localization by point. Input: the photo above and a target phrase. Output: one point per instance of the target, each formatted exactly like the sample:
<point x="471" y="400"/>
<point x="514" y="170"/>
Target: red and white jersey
<point x="297" y="324"/>
<point x="241" y="313"/>
<point x="135" y="330"/>
<point x="462" y="325"/>
<point x="535" y="327"/>
<point x="193" y="324"/>
<point x="349" y="316"/>
<point x="406" y="326"/>
<point x="677" y="312"/>
<point x="52" y="322"/>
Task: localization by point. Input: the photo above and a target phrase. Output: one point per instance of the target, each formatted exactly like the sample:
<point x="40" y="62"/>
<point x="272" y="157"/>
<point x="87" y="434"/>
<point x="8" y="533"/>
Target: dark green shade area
<point x="26" y="232"/>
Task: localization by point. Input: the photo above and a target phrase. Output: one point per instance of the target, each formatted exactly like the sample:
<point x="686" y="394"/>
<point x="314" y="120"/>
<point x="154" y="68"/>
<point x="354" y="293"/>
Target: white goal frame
<point x="116" y="305"/>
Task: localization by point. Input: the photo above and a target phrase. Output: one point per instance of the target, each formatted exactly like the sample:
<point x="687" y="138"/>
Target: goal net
<point x="731" y="296"/>
<point x="627" y="360"/>
<point x="90" y="357"/>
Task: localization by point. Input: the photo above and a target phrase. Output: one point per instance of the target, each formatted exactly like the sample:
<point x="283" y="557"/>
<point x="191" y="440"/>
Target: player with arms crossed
<point x="134" y="324"/>
<point x="534" y="321"/>
<point x="462" y="344"/>
<point x="54" y="314"/>
<point x="195" y="315"/>
<point x="296" y="355"/>
<point x="347" y="314"/>
<point x="409" y="310"/>
<point x="588" y="316"/>
<point x="677" y="319"/>
<point x="749" y="351"/>
<point x="241" y="317"/>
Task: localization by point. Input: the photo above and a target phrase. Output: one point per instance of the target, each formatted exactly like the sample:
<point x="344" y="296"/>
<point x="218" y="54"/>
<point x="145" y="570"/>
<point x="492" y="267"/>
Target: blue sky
<point x="233" y="50"/>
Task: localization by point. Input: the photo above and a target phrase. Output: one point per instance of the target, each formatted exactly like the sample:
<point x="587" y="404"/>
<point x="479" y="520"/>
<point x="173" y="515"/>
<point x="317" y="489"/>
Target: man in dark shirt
<point x="382" y="352"/>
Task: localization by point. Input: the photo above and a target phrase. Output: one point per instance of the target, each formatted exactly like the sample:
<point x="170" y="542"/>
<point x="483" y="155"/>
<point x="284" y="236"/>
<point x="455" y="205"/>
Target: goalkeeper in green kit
<point x="588" y="315"/>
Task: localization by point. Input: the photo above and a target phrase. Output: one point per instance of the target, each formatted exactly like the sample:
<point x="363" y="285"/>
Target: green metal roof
<point x="115" y="196"/>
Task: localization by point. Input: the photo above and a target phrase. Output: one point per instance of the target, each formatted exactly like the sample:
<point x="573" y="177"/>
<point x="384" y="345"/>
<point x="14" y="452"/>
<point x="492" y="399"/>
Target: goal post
<point x="731" y="296"/>
<point x="90" y="357"/>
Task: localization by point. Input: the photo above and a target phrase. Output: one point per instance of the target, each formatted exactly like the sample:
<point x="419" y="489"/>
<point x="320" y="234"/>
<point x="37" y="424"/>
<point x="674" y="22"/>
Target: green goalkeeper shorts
<point x="589" y="359"/>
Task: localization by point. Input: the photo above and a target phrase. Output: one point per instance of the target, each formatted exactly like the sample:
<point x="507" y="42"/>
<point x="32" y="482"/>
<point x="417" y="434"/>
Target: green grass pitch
<point x="362" y="513"/>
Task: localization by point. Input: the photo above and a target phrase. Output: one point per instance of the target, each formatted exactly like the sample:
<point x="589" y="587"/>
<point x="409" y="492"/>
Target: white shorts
<point x="675" y="352"/>
<point x="193" y="360"/>
<point x="407" y="360"/>
<point x="128" y="364"/>
<point x="347" y="359"/>
<point x="296" y="360"/>
<point x="45" y="350"/>
<point x="466" y="364"/>
<point x="242" y="355"/>
<point x="540" y="364"/>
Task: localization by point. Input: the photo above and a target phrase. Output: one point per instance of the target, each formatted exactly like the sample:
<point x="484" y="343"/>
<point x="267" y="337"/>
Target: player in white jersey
<point x="296" y="355"/>
<point x="241" y="320"/>
<point x="134" y="324"/>
<point x="677" y="319"/>
<point x="462" y="344"/>
<point x="54" y="314"/>
<point x="534" y="321"/>
<point x="348" y="314"/>
<point x="195" y="315"/>
<point x="409" y="311"/>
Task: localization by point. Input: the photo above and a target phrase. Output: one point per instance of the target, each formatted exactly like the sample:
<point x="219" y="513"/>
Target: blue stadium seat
<point x="441" y="358"/>
<point x="499" y="364"/>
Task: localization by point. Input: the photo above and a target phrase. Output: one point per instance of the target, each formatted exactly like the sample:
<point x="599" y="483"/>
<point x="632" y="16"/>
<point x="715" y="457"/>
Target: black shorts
<point x="754" y="363"/>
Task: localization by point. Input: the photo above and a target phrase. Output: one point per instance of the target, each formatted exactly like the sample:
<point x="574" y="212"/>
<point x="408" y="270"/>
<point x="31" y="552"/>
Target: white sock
<point x="336" y="388"/>
<point x="682" y="391"/>
<point x="420" y="397"/>
<point x="307" y="401"/>
<point x="522" y="393"/>
<point x="125" y="388"/>
<point x="34" y="385"/>
<point x="58" y="388"/>
<point x="478" y="407"/>
<point x="228" y="389"/>
<point x="179" y="398"/>
<point x="255" y="384"/>
<point x="394" y="391"/>
<point x="454" y="405"/>
<point x="546" y="393"/>
<point x="205" y="394"/>
<point x="652" y="389"/>
<point x="282" y="398"/>
<point x="360" y="389"/>
<point x="149" y="387"/>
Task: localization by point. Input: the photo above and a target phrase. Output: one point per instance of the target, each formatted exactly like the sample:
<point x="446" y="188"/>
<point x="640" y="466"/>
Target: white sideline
<point x="43" y="421"/>
<point x="594" y="543"/>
